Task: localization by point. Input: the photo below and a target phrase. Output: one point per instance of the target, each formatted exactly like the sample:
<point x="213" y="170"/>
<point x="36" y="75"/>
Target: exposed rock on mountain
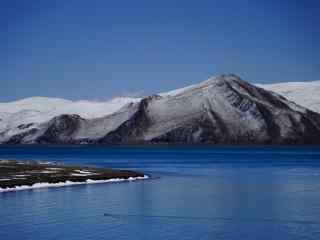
<point x="221" y="110"/>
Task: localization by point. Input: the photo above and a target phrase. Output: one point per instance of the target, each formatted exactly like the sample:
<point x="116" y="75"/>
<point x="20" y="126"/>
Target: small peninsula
<point x="22" y="175"/>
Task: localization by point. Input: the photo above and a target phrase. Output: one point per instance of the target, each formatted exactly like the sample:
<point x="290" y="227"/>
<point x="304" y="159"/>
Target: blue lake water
<point x="196" y="193"/>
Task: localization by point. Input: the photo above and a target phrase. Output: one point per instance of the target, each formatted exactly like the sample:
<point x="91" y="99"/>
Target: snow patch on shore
<point x="83" y="173"/>
<point x="70" y="183"/>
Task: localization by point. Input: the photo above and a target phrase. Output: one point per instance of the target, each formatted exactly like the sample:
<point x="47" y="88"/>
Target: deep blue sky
<point x="100" y="49"/>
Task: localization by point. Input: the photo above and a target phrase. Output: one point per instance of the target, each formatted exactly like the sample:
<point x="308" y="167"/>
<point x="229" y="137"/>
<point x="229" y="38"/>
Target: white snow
<point x="99" y="127"/>
<point x="47" y="172"/>
<point x="177" y="91"/>
<point x="40" y="109"/>
<point x="15" y="116"/>
<point x="56" y="106"/>
<point x="306" y="94"/>
<point x="41" y="104"/>
<point x="83" y="173"/>
<point x="70" y="183"/>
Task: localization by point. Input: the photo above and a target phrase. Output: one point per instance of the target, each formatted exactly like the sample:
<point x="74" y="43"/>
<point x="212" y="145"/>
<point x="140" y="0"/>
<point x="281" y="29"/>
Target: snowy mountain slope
<point x="17" y="117"/>
<point x="177" y="91"/>
<point x="73" y="128"/>
<point x="306" y="94"/>
<point x="41" y="104"/>
<point x="223" y="109"/>
<point x="57" y="106"/>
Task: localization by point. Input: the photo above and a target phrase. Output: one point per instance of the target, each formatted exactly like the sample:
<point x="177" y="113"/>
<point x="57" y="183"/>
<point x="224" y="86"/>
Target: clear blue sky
<point x="99" y="49"/>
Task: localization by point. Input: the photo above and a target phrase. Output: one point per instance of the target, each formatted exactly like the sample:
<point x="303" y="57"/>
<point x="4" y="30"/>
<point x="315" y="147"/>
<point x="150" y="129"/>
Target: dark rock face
<point x="60" y="129"/>
<point x="25" y="126"/>
<point x="19" y="138"/>
<point x="132" y="129"/>
<point x="221" y="110"/>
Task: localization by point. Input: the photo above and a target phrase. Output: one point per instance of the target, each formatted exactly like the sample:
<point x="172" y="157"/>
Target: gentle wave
<point x="70" y="183"/>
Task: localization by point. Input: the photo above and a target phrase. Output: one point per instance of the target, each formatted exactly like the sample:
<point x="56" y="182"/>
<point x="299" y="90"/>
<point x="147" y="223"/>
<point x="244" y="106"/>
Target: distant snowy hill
<point x="14" y="116"/>
<point x="220" y="110"/>
<point x="58" y="106"/>
<point x="306" y="94"/>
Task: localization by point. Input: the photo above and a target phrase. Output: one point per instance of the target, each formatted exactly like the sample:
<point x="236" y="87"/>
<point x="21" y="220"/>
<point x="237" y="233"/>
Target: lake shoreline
<point x="24" y="175"/>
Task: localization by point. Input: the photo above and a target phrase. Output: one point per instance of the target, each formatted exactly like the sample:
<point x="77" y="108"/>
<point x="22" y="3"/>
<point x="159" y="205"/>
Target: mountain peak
<point x="225" y="77"/>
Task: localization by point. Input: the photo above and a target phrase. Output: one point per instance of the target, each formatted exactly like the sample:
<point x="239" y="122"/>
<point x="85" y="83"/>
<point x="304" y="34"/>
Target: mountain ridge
<point x="220" y="110"/>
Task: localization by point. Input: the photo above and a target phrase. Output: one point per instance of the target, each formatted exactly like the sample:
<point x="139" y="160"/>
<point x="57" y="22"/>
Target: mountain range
<point x="221" y="110"/>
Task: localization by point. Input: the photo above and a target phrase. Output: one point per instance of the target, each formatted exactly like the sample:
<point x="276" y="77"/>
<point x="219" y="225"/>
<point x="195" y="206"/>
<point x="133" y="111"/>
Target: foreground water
<point x="196" y="193"/>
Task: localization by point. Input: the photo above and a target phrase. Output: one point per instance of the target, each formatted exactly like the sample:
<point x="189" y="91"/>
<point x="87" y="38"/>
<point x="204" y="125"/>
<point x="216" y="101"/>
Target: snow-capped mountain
<point x="306" y="94"/>
<point x="15" y="116"/>
<point x="223" y="109"/>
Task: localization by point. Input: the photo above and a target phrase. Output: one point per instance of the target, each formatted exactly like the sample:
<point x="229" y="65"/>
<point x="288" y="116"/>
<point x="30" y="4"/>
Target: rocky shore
<point x="16" y="175"/>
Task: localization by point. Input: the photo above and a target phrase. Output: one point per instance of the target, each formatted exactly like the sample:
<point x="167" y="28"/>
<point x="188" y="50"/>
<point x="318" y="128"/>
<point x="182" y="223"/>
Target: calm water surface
<point x="197" y="193"/>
